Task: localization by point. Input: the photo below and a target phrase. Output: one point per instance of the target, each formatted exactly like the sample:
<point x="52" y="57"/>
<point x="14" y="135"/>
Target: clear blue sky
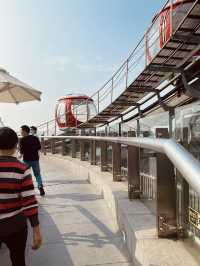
<point x="66" y="46"/>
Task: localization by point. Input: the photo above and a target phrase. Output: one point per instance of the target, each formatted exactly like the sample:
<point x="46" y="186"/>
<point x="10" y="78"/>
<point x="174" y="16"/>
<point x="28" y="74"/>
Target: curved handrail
<point x="184" y="161"/>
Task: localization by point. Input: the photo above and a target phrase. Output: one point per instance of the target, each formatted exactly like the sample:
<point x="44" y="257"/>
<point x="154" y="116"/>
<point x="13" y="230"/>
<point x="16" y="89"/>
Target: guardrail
<point x="169" y="156"/>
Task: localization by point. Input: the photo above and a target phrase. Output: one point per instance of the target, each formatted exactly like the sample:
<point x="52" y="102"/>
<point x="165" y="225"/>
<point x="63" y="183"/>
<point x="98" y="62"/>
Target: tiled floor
<point x="77" y="227"/>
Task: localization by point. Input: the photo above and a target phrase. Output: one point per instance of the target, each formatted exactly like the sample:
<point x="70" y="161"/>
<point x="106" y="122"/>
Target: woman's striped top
<point x="17" y="196"/>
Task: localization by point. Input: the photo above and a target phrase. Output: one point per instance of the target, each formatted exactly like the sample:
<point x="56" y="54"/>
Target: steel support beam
<point x="192" y="90"/>
<point x="166" y="69"/>
<point x="133" y="173"/>
<point x="191" y="39"/>
<point x="116" y="161"/>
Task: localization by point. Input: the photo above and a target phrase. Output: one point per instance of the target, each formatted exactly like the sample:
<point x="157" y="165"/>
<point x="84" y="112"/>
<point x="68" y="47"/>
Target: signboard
<point x="194" y="218"/>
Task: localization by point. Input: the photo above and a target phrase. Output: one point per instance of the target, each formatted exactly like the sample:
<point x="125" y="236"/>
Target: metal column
<point x="166" y="197"/>
<point x="184" y="195"/>
<point x="43" y="148"/>
<point x="166" y="192"/>
<point x="171" y="118"/>
<point x="63" y="148"/>
<point x="73" y="142"/>
<point x="120" y="129"/>
<point x="103" y="146"/>
<point x="93" y="152"/>
<point x="53" y="146"/>
<point x="133" y="173"/>
<point x="116" y="161"/>
<point x="82" y="150"/>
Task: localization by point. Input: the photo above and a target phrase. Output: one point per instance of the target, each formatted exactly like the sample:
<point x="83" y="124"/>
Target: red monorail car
<point x="163" y="26"/>
<point x="72" y="110"/>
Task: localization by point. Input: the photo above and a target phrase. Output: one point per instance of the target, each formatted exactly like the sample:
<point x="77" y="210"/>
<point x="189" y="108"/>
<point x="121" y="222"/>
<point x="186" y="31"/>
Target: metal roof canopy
<point x="171" y="59"/>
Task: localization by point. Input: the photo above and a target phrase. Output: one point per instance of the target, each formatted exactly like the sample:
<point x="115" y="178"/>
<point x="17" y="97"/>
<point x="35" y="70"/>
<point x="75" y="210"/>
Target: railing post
<point x="47" y="129"/>
<point x="82" y="150"/>
<point x="98" y="102"/>
<point x="166" y="197"/>
<point x="93" y="152"/>
<point x="127" y="74"/>
<point x="171" y="18"/>
<point x="146" y="48"/>
<point x="73" y="151"/>
<point x="133" y="173"/>
<point x="116" y="161"/>
<point x="87" y="108"/>
<point x="138" y="128"/>
<point x="103" y="145"/>
<point x="112" y="90"/>
<point x="53" y="146"/>
<point x="76" y="118"/>
<point x="55" y="127"/>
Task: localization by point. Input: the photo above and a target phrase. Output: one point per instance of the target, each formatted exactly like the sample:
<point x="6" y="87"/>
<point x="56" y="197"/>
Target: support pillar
<point x="133" y="173"/>
<point x="73" y="151"/>
<point x="93" y="152"/>
<point x="43" y="147"/>
<point x="82" y="150"/>
<point x="166" y="197"/>
<point x="53" y="146"/>
<point x="63" y="148"/>
<point x="116" y="161"/>
<point x="103" y="146"/>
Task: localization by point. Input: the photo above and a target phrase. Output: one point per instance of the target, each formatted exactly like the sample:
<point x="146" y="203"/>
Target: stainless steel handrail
<point x="185" y="162"/>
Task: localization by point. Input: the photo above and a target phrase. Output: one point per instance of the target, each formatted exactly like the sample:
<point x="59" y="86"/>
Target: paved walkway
<point x="77" y="226"/>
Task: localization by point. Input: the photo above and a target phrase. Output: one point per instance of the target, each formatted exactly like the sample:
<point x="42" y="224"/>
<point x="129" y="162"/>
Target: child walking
<point x="17" y="200"/>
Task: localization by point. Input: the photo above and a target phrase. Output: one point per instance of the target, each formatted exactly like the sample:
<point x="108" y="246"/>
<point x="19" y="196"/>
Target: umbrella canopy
<point x="13" y="90"/>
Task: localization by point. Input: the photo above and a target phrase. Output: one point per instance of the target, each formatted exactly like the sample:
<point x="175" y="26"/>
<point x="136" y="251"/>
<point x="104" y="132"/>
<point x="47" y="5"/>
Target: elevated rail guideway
<point x="170" y="45"/>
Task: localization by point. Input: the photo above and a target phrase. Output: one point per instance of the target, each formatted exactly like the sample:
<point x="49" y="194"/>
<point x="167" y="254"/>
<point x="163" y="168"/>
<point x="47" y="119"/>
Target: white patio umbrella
<point x="13" y="90"/>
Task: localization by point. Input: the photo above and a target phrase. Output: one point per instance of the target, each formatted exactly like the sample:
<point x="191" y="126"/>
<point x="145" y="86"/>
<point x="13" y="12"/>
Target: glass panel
<point x="187" y="132"/>
<point x="61" y="112"/>
<point x="148" y="125"/>
<point x="83" y="109"/>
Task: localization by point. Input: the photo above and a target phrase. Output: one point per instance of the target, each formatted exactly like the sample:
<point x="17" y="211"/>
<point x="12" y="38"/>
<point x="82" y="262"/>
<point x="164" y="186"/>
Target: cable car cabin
<point x="72" y="110"/>
<point x="164" y="25"/>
